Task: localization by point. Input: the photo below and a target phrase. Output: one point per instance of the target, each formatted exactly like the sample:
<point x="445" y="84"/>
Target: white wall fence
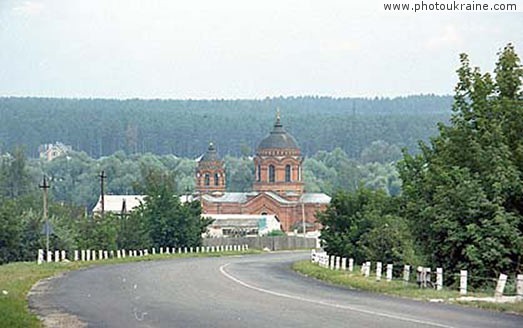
<point x="424" y="275"/>
<point x="93" y="255"/>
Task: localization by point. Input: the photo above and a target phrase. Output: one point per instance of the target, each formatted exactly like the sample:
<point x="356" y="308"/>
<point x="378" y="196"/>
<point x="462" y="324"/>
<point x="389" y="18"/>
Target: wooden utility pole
<point x="45" y="186"/>
<point x="303" y="218"/>
<point x="102" y="177"/>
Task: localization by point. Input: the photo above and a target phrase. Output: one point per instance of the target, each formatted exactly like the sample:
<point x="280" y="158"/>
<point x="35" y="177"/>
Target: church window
<point x="272" y="175"/>
<point x="207" y="178"/>
<point x="259" y="173"/>
<point x="216" y="179"/>
<point x="287" y="173"/>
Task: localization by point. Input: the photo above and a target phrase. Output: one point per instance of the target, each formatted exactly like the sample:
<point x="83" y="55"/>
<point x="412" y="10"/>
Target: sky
<point x="232" y="49"/>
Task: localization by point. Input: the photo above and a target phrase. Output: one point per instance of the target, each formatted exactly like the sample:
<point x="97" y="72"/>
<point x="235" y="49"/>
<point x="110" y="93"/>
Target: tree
<point x="463" y="193"/>
<point x="365" y="225"/>
<point x="170" y="223"/>
<point x="14" y="177"/>
<point x="10" y="232"/>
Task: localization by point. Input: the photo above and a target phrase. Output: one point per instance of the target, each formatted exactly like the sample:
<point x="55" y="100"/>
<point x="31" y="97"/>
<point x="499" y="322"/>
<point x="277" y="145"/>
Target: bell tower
<point x="278" y="164"/>
<point x="210" y="173"/>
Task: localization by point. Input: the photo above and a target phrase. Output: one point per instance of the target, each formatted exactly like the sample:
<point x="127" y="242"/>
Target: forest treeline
<point x="102" y="127"/>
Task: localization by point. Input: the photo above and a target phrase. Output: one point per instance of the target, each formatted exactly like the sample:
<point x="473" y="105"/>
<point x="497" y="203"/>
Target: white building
<point x="52" y="151"/>
<point x="236" y="225"/>
<point x="119" y="204"/>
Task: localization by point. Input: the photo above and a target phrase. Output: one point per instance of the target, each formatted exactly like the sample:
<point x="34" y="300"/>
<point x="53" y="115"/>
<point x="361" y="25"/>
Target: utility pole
<point x="102" y="177"/>
<point x="303" y="218"/>
<point x="45" y="186"/>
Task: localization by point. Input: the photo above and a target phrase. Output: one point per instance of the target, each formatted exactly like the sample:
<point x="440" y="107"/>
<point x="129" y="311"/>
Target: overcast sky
<point x="239" y="48"/>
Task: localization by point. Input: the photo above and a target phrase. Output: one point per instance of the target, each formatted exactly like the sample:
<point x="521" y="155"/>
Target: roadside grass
<point x="16" y="279"/>
<point x="355" y="280"/>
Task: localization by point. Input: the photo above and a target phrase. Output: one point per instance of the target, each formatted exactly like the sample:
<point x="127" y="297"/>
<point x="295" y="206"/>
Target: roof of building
<point x="211" y="155"/>
<point x="229" y="197"/>
<point x="278" y="138"/>
<point x="242" y="197"/>
<point x="114" y="203"/>
<point x="315" y="198"/>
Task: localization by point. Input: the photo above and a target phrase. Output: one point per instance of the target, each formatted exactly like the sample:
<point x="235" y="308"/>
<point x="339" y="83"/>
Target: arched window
<point x="259" y="173"/>
<point x="216" y="179"/>
<point x="207" y="179"/>
<point x="287" y="173"/>
<point x="272" y="175"/>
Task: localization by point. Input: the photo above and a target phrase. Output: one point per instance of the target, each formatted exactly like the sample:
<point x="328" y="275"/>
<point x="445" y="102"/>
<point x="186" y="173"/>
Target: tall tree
<point x="464" y="192"/>
<point x="171" y="223"/>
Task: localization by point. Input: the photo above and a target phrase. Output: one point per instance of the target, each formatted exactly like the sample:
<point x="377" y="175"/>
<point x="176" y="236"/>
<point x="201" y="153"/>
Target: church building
<point x="278" y="187"/>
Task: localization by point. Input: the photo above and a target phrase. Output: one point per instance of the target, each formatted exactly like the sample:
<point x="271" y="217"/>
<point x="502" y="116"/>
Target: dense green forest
<point x="184" y="127"/>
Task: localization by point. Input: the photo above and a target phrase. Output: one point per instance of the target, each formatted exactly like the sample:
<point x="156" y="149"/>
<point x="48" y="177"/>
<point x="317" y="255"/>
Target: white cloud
<point x="29" y="8"/>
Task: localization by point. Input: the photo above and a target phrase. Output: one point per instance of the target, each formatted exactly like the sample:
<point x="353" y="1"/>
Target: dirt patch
<point x="51" y="316"/>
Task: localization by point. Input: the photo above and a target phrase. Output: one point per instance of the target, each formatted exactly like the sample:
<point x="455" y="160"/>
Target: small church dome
<point x="211" y="155"/>
<point x="278" y="138"/>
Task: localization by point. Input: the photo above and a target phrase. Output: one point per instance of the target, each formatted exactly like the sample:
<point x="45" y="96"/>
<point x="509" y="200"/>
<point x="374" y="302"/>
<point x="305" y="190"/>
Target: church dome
<point x="278" y="138"/>
<point x="211" y="155"/>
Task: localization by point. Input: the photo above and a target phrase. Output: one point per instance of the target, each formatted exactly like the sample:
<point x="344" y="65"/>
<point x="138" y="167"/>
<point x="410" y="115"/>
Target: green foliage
<point x="10" y="232"/>
<point x="276" y="233"/>
<point x="239" y="173"/>
<point x="329" y="172"/>
<point x="380" y="151"/>
<point x="170" y="223"/>
<point x="364" y="225"/>
<point x="184" y="127"/>
<point x="463" y="193"/>
<point x="161" y="220"/>
<point x="14" y="176"/>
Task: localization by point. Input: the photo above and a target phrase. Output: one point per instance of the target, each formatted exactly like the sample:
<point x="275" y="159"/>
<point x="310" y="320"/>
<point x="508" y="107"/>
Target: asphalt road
<point x="247" y="291"/>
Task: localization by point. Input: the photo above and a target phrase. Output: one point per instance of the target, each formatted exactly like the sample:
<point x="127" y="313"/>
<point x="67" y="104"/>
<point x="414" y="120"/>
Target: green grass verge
<point x="16" y="279"/>
<point x="396" y="288"/>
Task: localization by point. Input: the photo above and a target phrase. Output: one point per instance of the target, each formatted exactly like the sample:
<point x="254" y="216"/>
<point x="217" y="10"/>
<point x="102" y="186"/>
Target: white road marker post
<point x="378" y="271"/>
<point x="344" y="264"/>
<point x="40" y="257"/>
<point x="519" y="286"/>
<point x="463" y="282"/>
<point x="406" y="273"/>
<point x="500" y="287"/>
<point x="367" y="269"/>
<point x="351" y="264"/>
<point x="439" y="278"/>
<point x="389" y="272"/>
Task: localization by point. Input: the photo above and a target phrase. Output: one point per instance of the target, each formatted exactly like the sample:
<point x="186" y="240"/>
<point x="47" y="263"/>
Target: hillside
<point x="184" y="127"/>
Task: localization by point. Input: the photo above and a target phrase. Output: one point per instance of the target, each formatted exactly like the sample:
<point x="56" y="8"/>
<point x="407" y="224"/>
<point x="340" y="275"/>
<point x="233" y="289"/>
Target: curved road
<point x="243" y="291"/>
